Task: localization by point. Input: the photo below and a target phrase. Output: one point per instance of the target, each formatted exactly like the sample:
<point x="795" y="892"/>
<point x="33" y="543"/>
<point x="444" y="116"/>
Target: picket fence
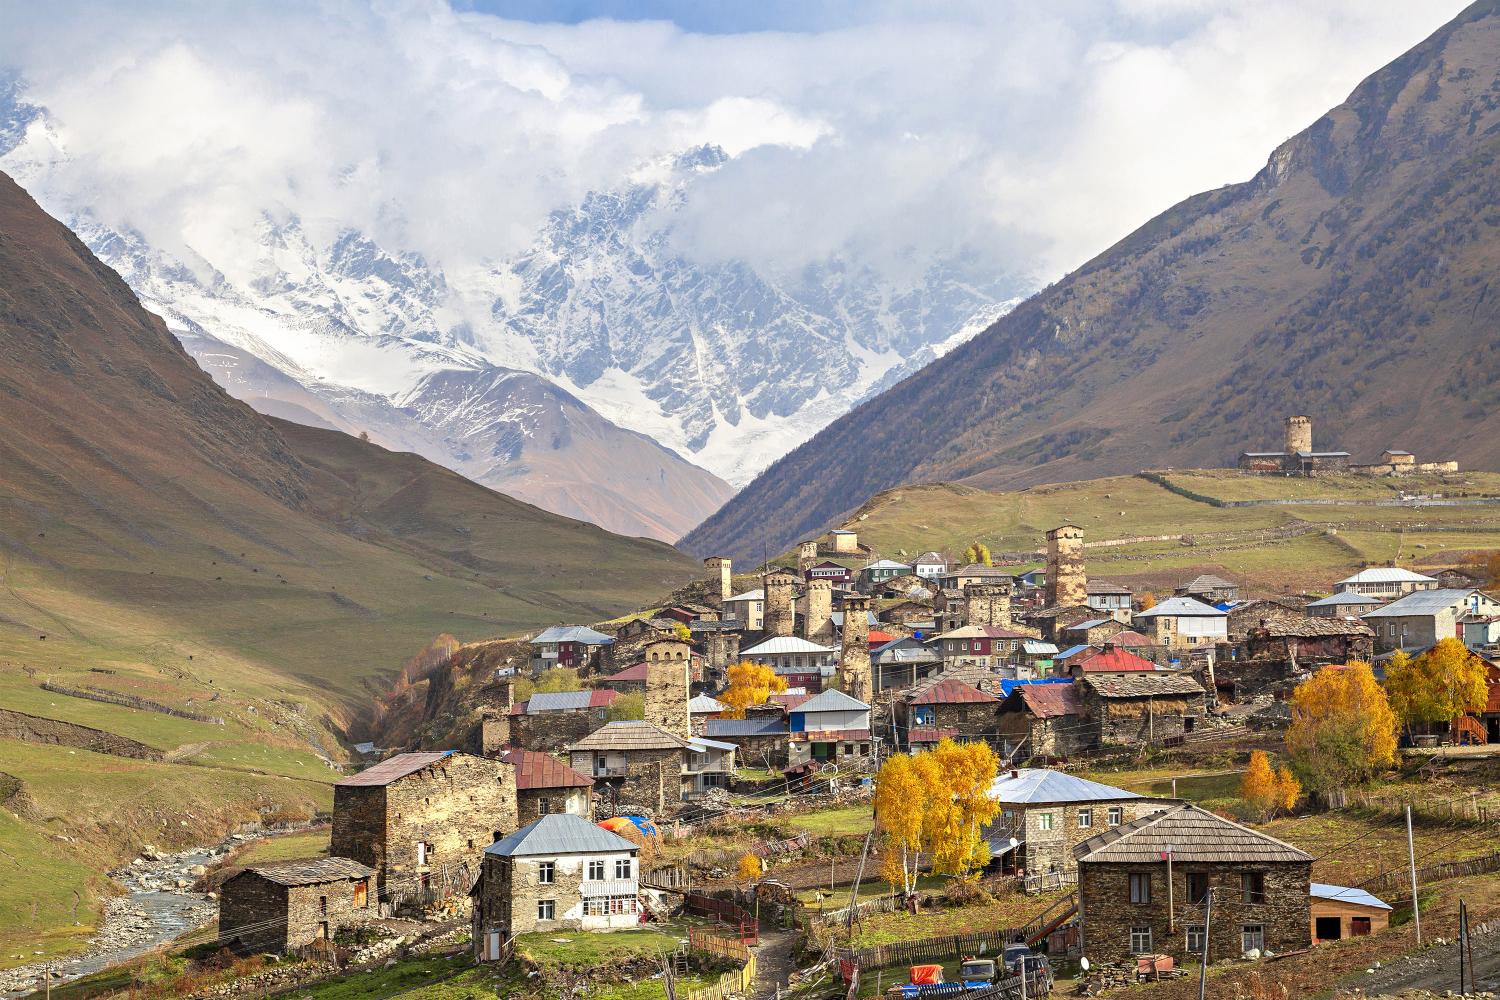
<point x="928" y="949"/>
<point x="1400" y="878"/>
<point x="1462" y="808"/>
<point x="729" y="984"/>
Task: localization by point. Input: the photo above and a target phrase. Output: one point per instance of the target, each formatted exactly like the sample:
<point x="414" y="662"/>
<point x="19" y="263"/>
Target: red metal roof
<point x="535" y="769"/>
<point x="1051" y="701"/>
<point x="788" y="701"/>
<point x="878" y="638"/>
<point x="1114" y="660"/>
<point x="395" y="768"/>
<point x="637" y="672"/>
<point x="927" y="734"/>
<point x="952" y="692"/>
<point x="1131" y="638"/>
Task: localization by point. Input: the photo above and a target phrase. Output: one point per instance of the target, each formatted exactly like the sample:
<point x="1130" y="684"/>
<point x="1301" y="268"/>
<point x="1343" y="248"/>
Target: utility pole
<point x="1208" y="916"/>
<point x="1411" y="855"/>
<point x="1463" y="944"/>
<point x="1171" y="907"/>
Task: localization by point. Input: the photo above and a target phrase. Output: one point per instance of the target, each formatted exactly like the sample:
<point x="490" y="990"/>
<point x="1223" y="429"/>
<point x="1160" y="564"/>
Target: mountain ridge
<point x="1332" y="283"/>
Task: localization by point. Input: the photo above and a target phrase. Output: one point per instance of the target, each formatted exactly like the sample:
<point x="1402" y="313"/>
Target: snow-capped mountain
<point x="504" y="371"/>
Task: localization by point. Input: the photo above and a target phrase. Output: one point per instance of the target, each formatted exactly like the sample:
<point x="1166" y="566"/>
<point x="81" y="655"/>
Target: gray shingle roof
<point x="1141" y="684"/>
<point x="395" y="767"/>
<point x="560" y="833"/>
<point x="1039" y="784"/>
<point x="1192" y="834"/>
<point x="311" y="871"/>
<point x="630" y="736"/>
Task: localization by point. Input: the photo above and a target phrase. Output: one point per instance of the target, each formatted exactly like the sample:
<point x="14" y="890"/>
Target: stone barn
<point x="277" y="908"/>
<point x="1044" y="721"/>
<point x="422" y="820"/>
<point x="1260" y="889"/>
<point x="1135" y="708"/>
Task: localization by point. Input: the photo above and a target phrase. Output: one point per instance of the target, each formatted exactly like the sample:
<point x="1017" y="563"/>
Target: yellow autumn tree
<point x="1148" y="601"/>
<point x="1343" y="730"/>
<point x="682" y="632"/>
<point x="1288" y="789"/>
<point x="936" y="803"/>
<point x="1443" y="683"/>
<point x="749" y="867"/>
<point x="900" y="804"/>
<point x="1258" y="786"/>
<point x="970" y="770"/>
<point x="749" y="684"/>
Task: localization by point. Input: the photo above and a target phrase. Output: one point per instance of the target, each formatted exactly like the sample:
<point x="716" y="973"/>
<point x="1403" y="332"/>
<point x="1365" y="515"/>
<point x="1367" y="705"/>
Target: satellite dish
<point x="1083" y="963"/>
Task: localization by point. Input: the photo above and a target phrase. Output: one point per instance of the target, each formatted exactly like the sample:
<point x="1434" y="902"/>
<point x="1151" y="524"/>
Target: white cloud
<point x="1032" y="134"/>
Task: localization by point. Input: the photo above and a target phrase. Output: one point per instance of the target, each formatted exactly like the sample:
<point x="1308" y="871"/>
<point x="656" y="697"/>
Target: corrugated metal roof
<point x="951" y="691"/>
<point x="783" y="644"/>
<point x="1385" y="574"/>
<point x="535" y="769"/>
<point x="1183" y="606"/>
<point x="1036" y="647"/>
<point x="1039" y="784"/>
<point x="1346" y="597"/>
<point x="703" y="704"/>
<point x="569" y="701"/>
<point x="1073" y="651"/>
<point x="750" y="595"/>
<point x="311" y="871"/>
<point x="1051" y="701"/>
<point x="573" y="633"/>
<point x="1104" y="587"/>
<point x="1345" y="894"/>
<point x="886" y="564"/>
<point x="1091" y="623"/>
<point x="984" y="632"/>
<point x="395" y="767"/>
<point x="1191" y="834"/>
<point x="701" y="744"/>
<point x="728" y="728"/>
<point x="1115" y="660"/>
<point x="1422" y="602"/>
<point x="634" y="672"/>
<point x="636" y="735"/>
<point x="560" y="833"/>
<point x="832" y="700"/>
<point x="927" y="734"/>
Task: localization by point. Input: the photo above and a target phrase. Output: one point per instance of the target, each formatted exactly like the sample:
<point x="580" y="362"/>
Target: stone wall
<point x="1128" y="721"/>
<point x="720" y="577"/>
<point x="552" y="731"/>
<point x="1051" y="849"/>
<point x="720" y="651"/>
<point x="36" y="729"/>
<point x="298" y="914"/>
<point x="652" y="784"/>
<point x="529" y="802"/>
<point x="1066" y="580"/>
<point x="509" y="890"/>
<point x="1108" y="914"/>
<point x="781" y="611"/>
<point x="987" y="604"/>
<point x="667" y="687"/>
<point x="854" y="655"/>
<point x="817" y="624"/>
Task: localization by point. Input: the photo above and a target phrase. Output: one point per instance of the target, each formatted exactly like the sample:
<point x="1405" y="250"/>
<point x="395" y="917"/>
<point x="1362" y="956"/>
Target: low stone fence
<point x="38" y="729"/>
<point x="129" y="701"/>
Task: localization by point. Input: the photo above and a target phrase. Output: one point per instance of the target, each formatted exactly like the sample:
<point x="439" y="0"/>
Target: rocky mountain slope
<point x="720" y="365"/>
<point x="1349" y="280"/>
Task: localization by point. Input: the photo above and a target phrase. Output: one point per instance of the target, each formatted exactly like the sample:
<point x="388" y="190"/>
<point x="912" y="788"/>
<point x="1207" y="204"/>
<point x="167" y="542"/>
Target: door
<point x="1328" y="929"/>
<point x="421" y="852"/>
<point x="492" y="946"/>
<point x="1359" y="926"/>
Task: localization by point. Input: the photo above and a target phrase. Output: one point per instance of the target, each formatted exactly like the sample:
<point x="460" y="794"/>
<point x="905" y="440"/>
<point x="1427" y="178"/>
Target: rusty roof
<point x="1191" y="834"/>
<point x="395" y="768"/>
<point x="311" y="871"/>
<point x="535" y="769"/>
<point x="1050" y="701"/>
<point x="951" y="691"/>
<point x="927" y="734"/>
<point x="1111" y="659"/>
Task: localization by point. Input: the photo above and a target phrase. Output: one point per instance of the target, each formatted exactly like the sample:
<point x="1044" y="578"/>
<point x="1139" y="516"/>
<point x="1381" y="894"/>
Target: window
<point x="924" y="716"/>
<point x="1044" y="821"/>
<point x="421" y="853"/>
<point x="1085" y="818"/>
<point x="498" y="837"/>
<point x="1253" y="887"/>
<point x="361" y="895"/>
<point x="543" y="806"/>
<point x="1140" y="888"/>
<point x="1116" y="815"/>
<point x="546" y="909"/>
<point x="1197" y="887"/>
<point x="1252" y="938"/>
<point x="622" y="868"/>
<point x="546" y="872"/>
<point x="323" y="905"/>
<point x="595" y="871"/>
<point x="1140" y="940"/>
<point x="1194" y="939"/>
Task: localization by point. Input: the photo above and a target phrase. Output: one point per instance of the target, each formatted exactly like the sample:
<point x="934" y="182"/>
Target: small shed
<point x="1339" y="912"/>
<point x="283" y="906"/>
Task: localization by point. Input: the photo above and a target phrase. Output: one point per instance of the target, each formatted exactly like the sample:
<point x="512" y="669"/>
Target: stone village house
<point x="545" y="785"/>
<point x="962" y="710"/>
<point x="558" y="873"/>
<point x="1260" y="889"/>
<point x="829" y="728"/>
<point x="1423" y="618"/>
<point x="422" y="821"/>
<point x="640" y="767"/>
<point x="277" y="908"/>
<point x="1141" y="707"/>
<point x="1044" y="720"/>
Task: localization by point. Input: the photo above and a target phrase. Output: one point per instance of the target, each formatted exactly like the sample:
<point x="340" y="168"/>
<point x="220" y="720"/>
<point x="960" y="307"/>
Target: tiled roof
<point x="1278" y="622"/>
<point x="1204" y="582"/>
<point x="927" y="734"/>
<point x="1040" y="784"/>
<point x="535" y="769"/>
<point x="560" y="833"/>
<point x="395" y="767"/>
<point x="1193" y="835"/>
<point x="311" y="871"/>
<point x="573" y="633"/>
<point x="1142" y="685"/>
<point x="832" y="700"/>
<point x="1112" y="659"/>
<point x="951" y="692"/>
<point x="1104" y="587"/>
<point x="635" y="735"/>
<point x="1051" y="701"/>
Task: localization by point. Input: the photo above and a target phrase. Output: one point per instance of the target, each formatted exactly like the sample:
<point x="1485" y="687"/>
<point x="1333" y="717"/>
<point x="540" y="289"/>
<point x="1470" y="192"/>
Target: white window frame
<point x="1115" y="816"/>
<point x="1138" y="937"/>
<point x="1085" y="818"/>
<point x="546" y="872"/>
<point x="1044" y="821"/>
<point x="546" y="909"/>
<point x="596" y="865"/>
<point x="1193" y="939"/>
<point x="622" y="868"/>
<point x="1252" y="936"/>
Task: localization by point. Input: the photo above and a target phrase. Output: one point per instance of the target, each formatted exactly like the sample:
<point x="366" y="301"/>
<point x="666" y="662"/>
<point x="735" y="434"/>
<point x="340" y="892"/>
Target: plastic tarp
<point x="926" y="975"/>
<point x="640" y="824"/>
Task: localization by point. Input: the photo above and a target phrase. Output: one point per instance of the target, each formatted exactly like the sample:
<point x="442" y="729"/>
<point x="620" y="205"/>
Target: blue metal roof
<point x="722" y="728"/>
<point x="560" y="833"/>
<point x="1344" y="894"/>
<point x="1007" y="685"/>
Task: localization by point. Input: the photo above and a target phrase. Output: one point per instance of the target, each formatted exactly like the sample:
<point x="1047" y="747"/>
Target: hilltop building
<point x="1298" y="458"/>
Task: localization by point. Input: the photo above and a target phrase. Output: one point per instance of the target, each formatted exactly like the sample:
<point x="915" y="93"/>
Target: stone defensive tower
<point x="817" y="624"/>
<point x="987" y="604"/>
<point x="781" y="612"/>
<point x="807" y="555"/>
<point x="854" y="651"/>
<point x="1298" y="434"/>
<point x="668" y="679"/>
<point x="719" y="569"/>
<point x="1066" y="582"/>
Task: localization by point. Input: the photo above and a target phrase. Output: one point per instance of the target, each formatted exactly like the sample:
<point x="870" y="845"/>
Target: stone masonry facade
<point x="1051" y="830"/>
<point x="287" y="917"/>
<point x="1279" y="911"/>
<point x="1067" y="584"/>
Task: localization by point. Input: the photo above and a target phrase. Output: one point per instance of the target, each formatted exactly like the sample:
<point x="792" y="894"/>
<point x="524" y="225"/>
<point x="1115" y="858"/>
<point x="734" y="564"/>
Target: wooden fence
<point x="725" y="911"/>
<point x="1400" y="878"/>
<point x="881" y="904"/>
<point x="1462" y="808"/>
<point x="669" y="877"/>
<point x="929" y="949"/>
<point x="729" y="984"/>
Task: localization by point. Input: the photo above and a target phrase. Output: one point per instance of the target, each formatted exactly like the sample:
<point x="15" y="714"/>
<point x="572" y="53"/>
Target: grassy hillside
<point x="1349" y="280"/>
<point x="1271" y="547"/>
<point x="164" y="544"/>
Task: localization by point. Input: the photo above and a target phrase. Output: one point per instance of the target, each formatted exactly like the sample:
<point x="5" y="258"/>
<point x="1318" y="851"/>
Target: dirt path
<point x="773" y="962"/>
<point x="1436" y="969"/>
